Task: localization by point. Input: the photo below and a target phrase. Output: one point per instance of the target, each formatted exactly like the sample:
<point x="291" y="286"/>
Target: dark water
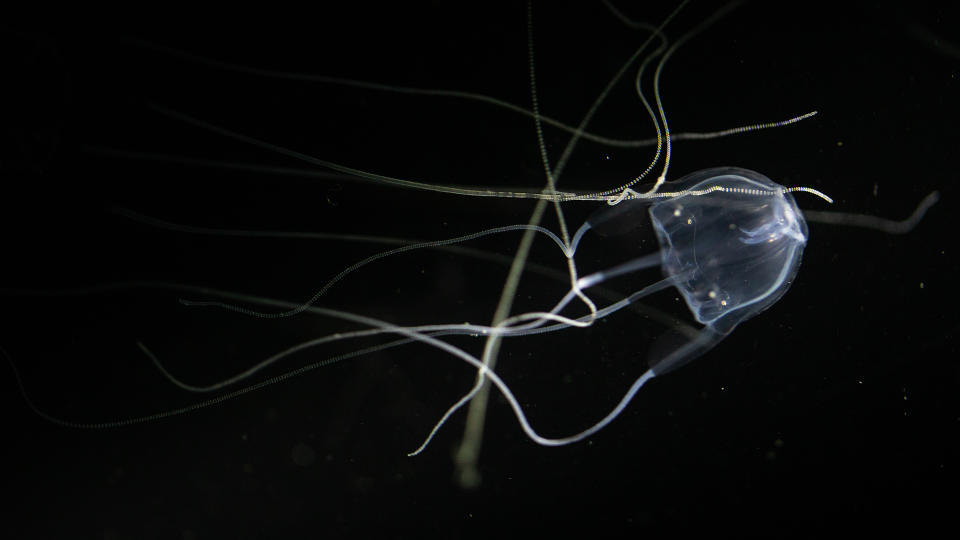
<point x="836" y="405"/>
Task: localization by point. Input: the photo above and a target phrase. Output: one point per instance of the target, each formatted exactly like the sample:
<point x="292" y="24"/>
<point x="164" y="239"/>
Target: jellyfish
<point x="728" y="241"/>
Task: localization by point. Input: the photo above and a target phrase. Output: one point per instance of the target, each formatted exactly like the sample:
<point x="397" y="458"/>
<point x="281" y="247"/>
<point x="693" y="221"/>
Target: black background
<point x="837" y="405"/>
